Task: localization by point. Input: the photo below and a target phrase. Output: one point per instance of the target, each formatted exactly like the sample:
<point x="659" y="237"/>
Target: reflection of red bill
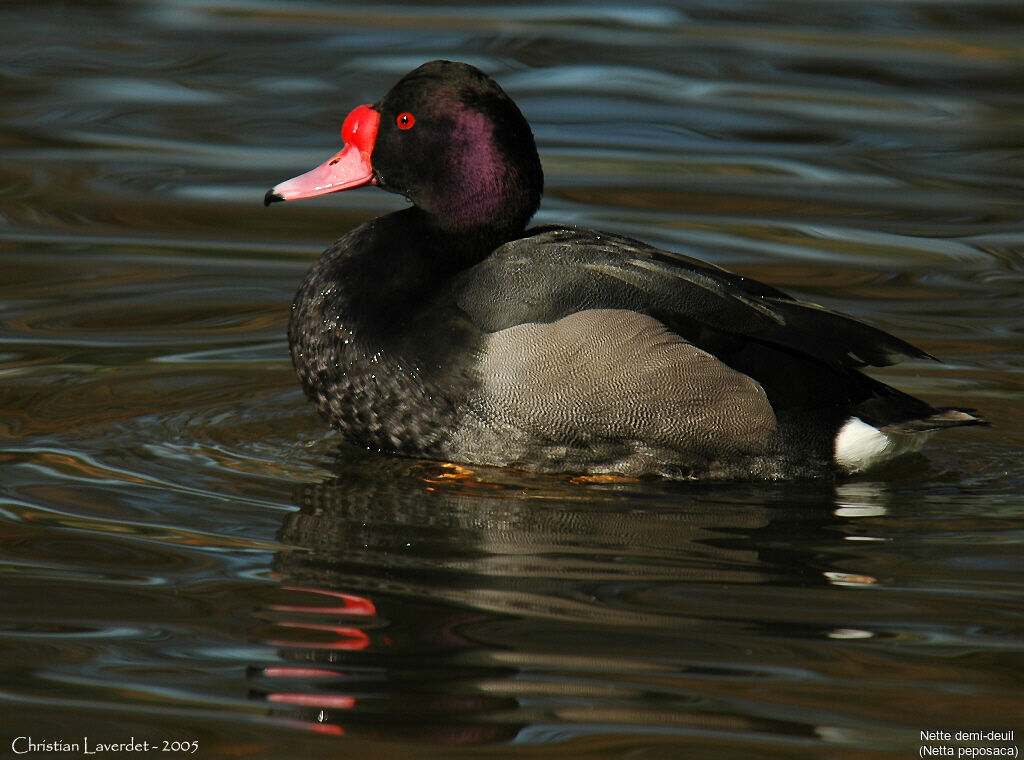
<point x="334" y="702"/>
<point x="278" y="671"/>
<point x="330" y="729"/>
<point x="352" y="604"/>
<point x="351" y="639"/>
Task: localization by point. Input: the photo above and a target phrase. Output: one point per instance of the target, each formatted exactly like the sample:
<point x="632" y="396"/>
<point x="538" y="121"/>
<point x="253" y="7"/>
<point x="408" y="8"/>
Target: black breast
<point x="379" y="344"/>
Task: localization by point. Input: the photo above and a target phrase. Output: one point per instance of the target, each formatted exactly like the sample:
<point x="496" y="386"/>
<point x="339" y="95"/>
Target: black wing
<point x="555" y="271"/>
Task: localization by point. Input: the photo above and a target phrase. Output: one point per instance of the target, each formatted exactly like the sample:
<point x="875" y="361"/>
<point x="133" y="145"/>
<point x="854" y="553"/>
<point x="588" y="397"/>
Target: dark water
<point x="187" y="555"/>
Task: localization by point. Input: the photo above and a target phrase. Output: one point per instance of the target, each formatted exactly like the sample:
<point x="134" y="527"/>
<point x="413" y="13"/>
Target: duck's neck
<point x="398" y="261"/>
<point x="367" y="293"/>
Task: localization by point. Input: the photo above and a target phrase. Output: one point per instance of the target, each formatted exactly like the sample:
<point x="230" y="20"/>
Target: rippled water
<point x="188" y="555"/>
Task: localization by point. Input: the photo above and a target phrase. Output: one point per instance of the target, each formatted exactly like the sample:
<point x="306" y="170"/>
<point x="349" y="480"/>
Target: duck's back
<point x="605" y="354"/>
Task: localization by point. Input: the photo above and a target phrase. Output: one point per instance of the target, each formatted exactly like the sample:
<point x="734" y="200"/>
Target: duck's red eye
<point x="405" y="120"/>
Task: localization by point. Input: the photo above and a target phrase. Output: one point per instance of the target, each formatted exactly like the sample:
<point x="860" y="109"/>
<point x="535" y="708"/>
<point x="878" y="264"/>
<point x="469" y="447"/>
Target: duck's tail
<point x="860" y="446"/>
<point x="944" y="417"/>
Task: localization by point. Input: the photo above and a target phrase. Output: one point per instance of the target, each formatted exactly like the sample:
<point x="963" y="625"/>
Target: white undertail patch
<point x="860" y="446"/>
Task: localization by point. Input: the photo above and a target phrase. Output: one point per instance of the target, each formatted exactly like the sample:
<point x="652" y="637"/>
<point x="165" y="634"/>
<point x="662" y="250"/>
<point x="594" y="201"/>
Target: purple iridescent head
<point x="448" y="138"/>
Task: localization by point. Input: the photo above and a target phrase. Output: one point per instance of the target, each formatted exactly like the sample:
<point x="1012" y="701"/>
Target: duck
<point x="449" y="330"/>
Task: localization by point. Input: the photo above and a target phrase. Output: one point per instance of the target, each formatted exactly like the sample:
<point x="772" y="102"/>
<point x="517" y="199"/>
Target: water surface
<point x="187" y="552"/>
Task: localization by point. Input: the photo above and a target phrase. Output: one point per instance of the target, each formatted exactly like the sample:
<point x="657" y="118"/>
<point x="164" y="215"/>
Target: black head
<point x="456" y="145"/>
<point x="448" y="138"/>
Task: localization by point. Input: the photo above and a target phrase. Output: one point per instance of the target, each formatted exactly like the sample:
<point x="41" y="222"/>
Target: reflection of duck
<point x="447" y="331"/>
<point x="467" y="611"/>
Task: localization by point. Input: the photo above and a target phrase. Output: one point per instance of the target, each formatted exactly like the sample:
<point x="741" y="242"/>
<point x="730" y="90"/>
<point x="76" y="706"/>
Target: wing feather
<point x="556" y="271"/>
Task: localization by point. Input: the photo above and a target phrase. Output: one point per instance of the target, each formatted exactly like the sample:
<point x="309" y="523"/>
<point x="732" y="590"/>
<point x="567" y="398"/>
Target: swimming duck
<point x="448" y="330"/>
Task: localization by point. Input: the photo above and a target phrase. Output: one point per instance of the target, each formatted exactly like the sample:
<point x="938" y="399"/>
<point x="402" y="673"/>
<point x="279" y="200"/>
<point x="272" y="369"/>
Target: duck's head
<point x="448" y="138"/>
